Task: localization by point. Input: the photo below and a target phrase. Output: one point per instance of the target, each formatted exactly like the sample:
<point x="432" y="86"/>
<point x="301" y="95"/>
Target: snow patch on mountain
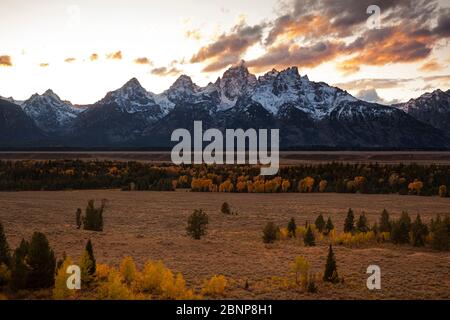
<point x="50" y="112"/>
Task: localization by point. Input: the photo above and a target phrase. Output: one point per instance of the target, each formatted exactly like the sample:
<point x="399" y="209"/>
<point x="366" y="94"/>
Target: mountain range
<point x="308" y="114"/>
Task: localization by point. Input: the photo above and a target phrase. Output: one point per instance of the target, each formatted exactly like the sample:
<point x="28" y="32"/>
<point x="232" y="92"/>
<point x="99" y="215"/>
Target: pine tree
<point x="320" y="223"/>
<point x="270" y="232"/>
<point x="42" y="262"/>
<point x="88" y="264"/>
<point x="309" y="238"/>
<point x="20" y="268"/>
<point x="441" y="236"/>
<point x="5" y="254"/>
<point x="292" y="228"/>
<point x="330" y="274"/>
<point x="400" y="229"/>
<point x="361" y="225"/>
<point x="93" y="219"/>
<point x="78" y="218"/>
<point x="385" y="224"/>
<point x="329" y="226"/>
<point x="197" y="224"/>
<point x="419" y="231"/>
<point x="349" y="224"/>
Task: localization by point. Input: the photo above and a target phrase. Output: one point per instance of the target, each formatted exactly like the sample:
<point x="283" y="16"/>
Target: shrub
<point x="270" y="232"/>
<point x="93" y="219"/>
<point x="330" y="274"/>
<point x="175" y="288"/>
<point x="309" y="239"/>
<point x="419" y="232"/>
<point x="300" y="268"/>
<point x="114" y="288"/>
<point x="197" y="223"/>
<point x="215" y="286"/>
<point x="60" y="291"/>
<point x="312" y="288"/>
<point x="151" y="278"/>
<point x="349" y="224"/>
<point x="225" y="209"/>
<point x="292" y="227"/>
<point x="102" y="271"/>
<point x="128" y="270"/>
<point x="320" y="223"/>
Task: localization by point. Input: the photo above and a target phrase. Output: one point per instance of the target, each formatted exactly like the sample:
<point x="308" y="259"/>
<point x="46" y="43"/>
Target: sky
<point x="81" y="49"/>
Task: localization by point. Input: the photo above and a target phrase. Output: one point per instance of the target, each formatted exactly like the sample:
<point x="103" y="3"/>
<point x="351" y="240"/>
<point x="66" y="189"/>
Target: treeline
<point x="356" y="232"/>
<point x="374" y="178"/>
<point x="77" y="174"/>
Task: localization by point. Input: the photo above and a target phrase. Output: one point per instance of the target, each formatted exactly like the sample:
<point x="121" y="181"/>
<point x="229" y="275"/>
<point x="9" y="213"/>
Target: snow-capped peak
<point x="50" y="112"/>
<point x="276" y="89"/>
<point x="132" y="98"/>
<point x="236" y="81"/>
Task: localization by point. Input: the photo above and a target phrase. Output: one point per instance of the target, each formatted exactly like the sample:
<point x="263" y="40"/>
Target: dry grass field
<point x="152" y="225"/>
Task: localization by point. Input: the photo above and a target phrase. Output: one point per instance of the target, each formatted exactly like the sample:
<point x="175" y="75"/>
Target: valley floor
<point x="152" y="225"/>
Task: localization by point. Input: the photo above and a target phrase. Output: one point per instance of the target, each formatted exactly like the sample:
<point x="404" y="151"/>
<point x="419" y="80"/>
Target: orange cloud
<point x="228" y="48"/>
<point x="163" y="71"/>
<point x="93" y="57"/>
<point x="284" y="56"/>
<point x="193" y="34"/>
<point x="114" y="55"/>
<point x="143" y="60"/>
<point x="5" y="61"/>
<point x="431" y="65"/>
<point x="70" y="60"/>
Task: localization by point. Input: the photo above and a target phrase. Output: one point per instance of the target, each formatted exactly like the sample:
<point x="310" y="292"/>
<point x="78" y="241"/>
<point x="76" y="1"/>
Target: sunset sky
<point x="81" y="49"/>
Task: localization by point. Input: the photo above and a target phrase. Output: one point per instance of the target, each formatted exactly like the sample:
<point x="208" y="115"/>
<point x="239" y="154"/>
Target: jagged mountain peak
<point x="184" y="82"/>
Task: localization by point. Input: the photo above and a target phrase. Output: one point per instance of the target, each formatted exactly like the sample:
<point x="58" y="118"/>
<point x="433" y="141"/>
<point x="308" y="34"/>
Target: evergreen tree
<point x="41" y="261"/>
<point x="385" y="224"/>
<point x="225" y="209"/>
<point x="441" y="236"/>
<point x="330" y="274"/>
<point x="329" y="226"/>
<point x="400" y="229"/>
<point x="309" y="238"/>
<point x="5" y="254"/>
<point x="361" y="225"/>
<point x="88" y="264"/>
<point x="19" y="268"/>
<point x="292" y="228"/>
<point x="349" y="224"/>
<point x="78" y="218"/>
<point x="270" y="232"/>
<point x="419" y="231"/>
<point x="93" y="219"/>
<point x="197" y="223"/>
<point x="320" y="223"/>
